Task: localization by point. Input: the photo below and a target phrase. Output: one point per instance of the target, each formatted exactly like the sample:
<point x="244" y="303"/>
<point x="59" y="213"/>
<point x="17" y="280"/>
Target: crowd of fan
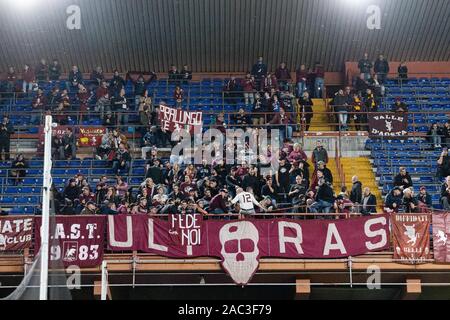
<point x="171" y="188"/>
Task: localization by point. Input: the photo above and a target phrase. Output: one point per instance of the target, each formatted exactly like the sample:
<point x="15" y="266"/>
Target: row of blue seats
<point x="424" y="170"/>
<point x="20" y="200"/>
<point x="420" y="179"/>
<point x="400" y="162"/>
<point x="428" y="155"/>
<point x="76" y="163"/>
<point x="62" y="181"/>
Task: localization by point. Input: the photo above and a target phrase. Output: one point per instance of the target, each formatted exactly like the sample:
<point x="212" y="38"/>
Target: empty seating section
<point x="422" y="96"/>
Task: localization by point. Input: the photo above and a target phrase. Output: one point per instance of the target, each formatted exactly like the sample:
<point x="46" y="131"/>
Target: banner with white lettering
<point x="174" y="119"/>
<point x="388" y="124"/>
<point x="441" y="237"/>
<point x="240" y="244"/>
<point x="76" y="240"/>
<point x="15" y="233"/>
<point x="411" y="237"/>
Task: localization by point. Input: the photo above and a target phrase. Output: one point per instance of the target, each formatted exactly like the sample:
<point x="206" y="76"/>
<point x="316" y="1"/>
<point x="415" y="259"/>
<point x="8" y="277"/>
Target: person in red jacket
<point x="248" y="85"/>
<point x="283" y="121"/>
<point x="319" y="83"/>
<point x="28" y="78"/>
<point x="283" y="76"/>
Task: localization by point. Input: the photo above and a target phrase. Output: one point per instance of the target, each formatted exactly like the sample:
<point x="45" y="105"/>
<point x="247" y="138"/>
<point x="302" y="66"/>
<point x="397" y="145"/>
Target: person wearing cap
<point x="247" y="202"/>
<point x="403" y="179"/>
<point x="108" y="208"/>
<point x="218" y="204"/>
<point x="424" y="197"/>
<point x="319" y="154"/>
<point x="72" y="190"/>
<point x="89" y="209"/>
<point x="324" y="198"/>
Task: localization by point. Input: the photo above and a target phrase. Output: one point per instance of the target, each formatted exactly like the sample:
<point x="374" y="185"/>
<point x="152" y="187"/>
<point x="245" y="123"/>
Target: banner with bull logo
<point x="388" y="124"/>
<point x="240" y="244"/>
<point x="90" y="136"/>
<point x="75" y="240"/>
<point x="441" y="237"/>
<point x="15" y="233"/>
<point x="411" y="237"/>
<point x="176" y="119"/>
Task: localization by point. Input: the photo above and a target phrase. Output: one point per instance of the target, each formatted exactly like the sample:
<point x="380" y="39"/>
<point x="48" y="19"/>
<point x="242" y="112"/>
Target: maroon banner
<point x="174" y="119"/>
<point x="240" y="244"/>
<point x="15" y="233"/>
<point x="388" y="124"/>
<point x="441" y="237"/>
<point x="56" y="131"/>
<point x="90" y="136"/>
<point x="411" y="237"/>
<point x="76" y="240"/>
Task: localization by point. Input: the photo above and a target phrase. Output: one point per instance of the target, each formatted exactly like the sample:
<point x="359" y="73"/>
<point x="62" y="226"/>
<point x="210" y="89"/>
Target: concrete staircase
<point x="362" y="168"/>
<point x="319" y="122"/>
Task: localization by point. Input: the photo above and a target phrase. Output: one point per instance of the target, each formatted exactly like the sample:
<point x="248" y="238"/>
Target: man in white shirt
<point x="246" y="201"/>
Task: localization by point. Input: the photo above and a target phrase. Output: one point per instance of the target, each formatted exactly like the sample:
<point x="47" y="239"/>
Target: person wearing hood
<point x="394" y="200"/>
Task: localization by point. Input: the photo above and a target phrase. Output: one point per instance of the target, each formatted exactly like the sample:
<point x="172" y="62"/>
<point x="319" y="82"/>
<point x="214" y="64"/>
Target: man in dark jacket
<point x="368" y="203"/>
<point x="173" y="74"/>
<point x="259" y="71"/>
<point x="122" y="160"/>
<point x="42" y="71"/>
<point x="365" y="65"/>
<point x="341" y="108"/>
<point x="381" y="68"/>
<point x="185" y="74"/>
<point x="356" y="192"/>
<point x="54" y="71"/>
<point x="394" y="200"/>
<point x="324" y="199"/>
<point x="116" y="84"/>
<point x="403" y="179"/>
<point x="6" y="130"/>
<point x="443" y="163"/>
<point x="75" y="78"/>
